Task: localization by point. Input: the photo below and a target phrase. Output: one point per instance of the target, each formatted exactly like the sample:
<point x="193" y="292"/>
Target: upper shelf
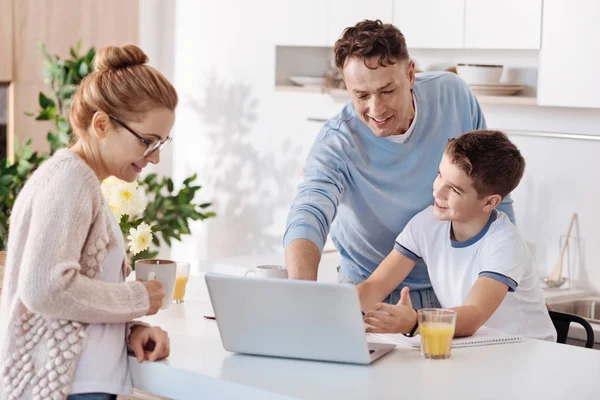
<point x="504" y="100"/>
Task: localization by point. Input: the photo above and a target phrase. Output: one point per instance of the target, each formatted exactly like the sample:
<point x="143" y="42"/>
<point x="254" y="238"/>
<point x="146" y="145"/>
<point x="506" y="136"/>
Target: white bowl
<point x="478" y="74"/>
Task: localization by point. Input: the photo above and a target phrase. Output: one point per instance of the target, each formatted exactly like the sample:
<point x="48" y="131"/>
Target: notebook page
<point x="483" y="337"/>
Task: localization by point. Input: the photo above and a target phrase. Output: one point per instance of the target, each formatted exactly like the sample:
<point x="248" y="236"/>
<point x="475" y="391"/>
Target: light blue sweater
<point x="367" y="188"/>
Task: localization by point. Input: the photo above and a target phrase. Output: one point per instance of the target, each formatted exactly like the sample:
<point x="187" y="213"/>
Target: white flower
<point x="126" y="199"/>
<point x="108" y="186"/>
<point x="140" y="238"/>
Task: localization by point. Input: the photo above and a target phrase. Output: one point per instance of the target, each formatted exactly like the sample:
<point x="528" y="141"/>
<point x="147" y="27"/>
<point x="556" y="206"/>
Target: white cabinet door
<point x="434" y="24"/>
<point x="345" y="13"/>
<point x="300" y="22"/>
<point x="570" y="56"/>
<point x="506" y="24"/>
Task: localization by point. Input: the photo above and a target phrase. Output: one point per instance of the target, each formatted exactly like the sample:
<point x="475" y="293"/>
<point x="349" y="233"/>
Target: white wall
<point x="248" y="142"/>
<point x="245" y="142"/>
<point x="157" y="39"/>
<point x="560" y="179"/>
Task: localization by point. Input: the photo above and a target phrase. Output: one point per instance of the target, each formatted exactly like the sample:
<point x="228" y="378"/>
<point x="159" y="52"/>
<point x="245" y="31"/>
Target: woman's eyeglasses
<point x="151" y="146"/>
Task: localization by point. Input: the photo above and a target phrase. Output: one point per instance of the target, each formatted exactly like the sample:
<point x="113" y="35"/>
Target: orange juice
<point x="180" y="284"/>
<point x="436" y="339"/>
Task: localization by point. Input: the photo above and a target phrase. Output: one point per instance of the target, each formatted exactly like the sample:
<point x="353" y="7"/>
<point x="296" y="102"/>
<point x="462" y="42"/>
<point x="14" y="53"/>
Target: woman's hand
<point x="388" y="318"/>
<point x="156" y="294"/>
<point x="149" y="343"/>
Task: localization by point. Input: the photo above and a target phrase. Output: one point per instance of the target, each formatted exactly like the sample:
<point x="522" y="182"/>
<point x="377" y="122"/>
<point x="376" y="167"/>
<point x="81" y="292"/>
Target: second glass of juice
<point x="181" y="279"/>
<point x="436" y="327"/>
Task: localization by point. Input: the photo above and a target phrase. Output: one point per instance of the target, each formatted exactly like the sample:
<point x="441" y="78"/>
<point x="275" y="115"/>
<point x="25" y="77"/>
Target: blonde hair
<point x="121" y="85"/>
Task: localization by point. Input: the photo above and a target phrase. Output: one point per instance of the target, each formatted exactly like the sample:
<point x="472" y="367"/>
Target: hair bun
<point x="116" y="57"/>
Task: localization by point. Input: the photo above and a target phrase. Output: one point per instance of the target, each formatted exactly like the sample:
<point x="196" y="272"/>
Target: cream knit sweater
<point x="60" y="233"/>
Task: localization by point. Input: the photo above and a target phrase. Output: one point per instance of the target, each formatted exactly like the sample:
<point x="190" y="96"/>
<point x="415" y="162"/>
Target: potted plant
<point x="167" y="210"/>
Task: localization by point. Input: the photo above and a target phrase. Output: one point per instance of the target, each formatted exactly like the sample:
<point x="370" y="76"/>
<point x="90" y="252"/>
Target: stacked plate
<point x="496" y="89"/>
<point x="310" y="81"/>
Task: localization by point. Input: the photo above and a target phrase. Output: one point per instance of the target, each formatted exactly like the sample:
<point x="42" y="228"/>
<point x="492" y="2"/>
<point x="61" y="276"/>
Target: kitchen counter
<point x="199" y="367"/>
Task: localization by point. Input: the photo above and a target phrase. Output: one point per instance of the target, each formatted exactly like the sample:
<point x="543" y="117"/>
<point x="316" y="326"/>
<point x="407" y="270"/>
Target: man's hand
<point x="388" y="318"/>
<point x="149" y="343"/>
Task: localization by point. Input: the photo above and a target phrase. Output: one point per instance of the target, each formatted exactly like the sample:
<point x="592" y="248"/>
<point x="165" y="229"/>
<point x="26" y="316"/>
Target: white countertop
<point x="199" y="367"/>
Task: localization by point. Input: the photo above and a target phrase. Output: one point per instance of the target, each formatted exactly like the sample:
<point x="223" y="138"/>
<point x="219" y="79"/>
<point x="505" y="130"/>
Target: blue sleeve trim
<point x="406" y="252"/>
<point x="512" y="285"/>
<point x="304" y="231"/>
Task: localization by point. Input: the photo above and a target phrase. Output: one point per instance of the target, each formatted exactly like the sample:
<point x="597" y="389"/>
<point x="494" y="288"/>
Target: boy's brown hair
<point x="493" y="162"/>
<point x="371" y="38"/>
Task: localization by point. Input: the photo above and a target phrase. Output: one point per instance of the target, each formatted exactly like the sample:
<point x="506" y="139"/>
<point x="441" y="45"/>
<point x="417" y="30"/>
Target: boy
<point x="477" y="261"/>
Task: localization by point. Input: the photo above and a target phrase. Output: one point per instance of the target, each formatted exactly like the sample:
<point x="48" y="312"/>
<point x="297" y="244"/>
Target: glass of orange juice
<point x="181" y="279"/>
<point x="436" y="327"/>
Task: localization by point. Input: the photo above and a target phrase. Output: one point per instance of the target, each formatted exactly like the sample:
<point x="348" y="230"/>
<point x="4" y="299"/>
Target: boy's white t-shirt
<point x="499" y="252"/>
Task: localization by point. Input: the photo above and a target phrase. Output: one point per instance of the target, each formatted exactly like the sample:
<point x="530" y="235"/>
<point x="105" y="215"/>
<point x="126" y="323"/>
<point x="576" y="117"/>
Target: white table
<point x="199" y="367"/>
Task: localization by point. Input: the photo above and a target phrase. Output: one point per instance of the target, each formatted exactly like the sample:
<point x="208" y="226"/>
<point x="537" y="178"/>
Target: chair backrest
<point x="562" y="321"/>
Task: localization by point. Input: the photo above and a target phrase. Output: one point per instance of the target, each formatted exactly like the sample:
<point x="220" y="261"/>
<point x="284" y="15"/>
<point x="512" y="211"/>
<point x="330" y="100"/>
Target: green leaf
<point x="170" y="185"/>
<point x="64" y="137"/>
<point x="6" y="180"/>
<point x="67" y="90"/>
<point x="190" y="180"/>
<point x="45" y="115"/>
<point x="26" y="153"/>
<point x="62" y="125"/>
<point x="83" y="69"/>
<point x="45" y="102"/>
<point x="91" y="54"/>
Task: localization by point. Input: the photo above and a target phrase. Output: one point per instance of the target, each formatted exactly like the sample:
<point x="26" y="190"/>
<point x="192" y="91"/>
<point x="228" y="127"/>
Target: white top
<point x="103" y="366"/>
<point x="199" y="367"/>
<point x="404" y="137"/>
<point x="499" y="252"/>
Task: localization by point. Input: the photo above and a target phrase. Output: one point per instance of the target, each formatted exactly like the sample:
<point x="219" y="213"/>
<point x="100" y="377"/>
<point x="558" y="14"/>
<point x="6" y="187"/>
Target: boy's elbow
<point x="466" y="332"/>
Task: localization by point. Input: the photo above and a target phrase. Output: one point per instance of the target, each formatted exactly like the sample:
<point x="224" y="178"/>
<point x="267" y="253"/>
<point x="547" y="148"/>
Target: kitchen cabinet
<point x="6" y="40"/>
<point x="570" y="55"/>
<point x="437" y="24"/>
<point x="507" y="24"/>
<point x="59" y="24"/>
<point x="345" y="13"/>
<point x="301" y="23"/>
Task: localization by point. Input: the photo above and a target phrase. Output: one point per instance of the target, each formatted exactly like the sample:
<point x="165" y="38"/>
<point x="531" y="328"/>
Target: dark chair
<point x="562" y="321"/>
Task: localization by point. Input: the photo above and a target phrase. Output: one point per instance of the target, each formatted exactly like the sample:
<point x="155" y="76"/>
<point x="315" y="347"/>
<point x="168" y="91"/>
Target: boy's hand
<point x="388" y="318"/>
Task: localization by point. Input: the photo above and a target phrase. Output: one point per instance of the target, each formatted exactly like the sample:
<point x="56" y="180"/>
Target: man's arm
<point x="507" y="208"/>
<point x="483" y="300"/>
<point x="314" y="208"/>
<point x="302" y="259"/>
<point x="388" y="275"/>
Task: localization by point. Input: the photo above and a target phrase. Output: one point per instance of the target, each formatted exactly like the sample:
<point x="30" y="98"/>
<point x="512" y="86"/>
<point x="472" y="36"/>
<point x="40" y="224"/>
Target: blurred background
<point x="256" y="83"/>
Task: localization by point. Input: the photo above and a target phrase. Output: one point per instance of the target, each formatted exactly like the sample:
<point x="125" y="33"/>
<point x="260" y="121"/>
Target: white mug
<point x="269" y="271"/>
<point x="162" y="270"/>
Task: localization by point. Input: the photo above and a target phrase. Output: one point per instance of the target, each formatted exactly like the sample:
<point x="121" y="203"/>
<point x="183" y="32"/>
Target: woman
<point x="66" y="312"/>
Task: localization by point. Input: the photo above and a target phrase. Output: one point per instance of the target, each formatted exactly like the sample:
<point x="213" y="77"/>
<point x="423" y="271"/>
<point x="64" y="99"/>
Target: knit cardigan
<point x="60" y="233"/>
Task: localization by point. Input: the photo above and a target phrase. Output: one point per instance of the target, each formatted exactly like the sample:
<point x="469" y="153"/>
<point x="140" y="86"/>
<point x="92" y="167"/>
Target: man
<point x="373" y="165"/>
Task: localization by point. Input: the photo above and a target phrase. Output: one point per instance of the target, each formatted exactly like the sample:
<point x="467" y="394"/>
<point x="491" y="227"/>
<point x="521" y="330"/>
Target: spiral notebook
<point x="483" y="337"/>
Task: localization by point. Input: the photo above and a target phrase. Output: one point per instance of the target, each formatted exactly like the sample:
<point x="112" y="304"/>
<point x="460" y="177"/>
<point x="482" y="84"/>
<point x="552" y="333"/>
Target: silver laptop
<point x="292" y="319"/>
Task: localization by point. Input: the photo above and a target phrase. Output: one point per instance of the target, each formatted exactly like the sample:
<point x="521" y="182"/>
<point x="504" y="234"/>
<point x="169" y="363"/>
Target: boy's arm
<point x="483" y="299"/>
<point x="388" y="275"/>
